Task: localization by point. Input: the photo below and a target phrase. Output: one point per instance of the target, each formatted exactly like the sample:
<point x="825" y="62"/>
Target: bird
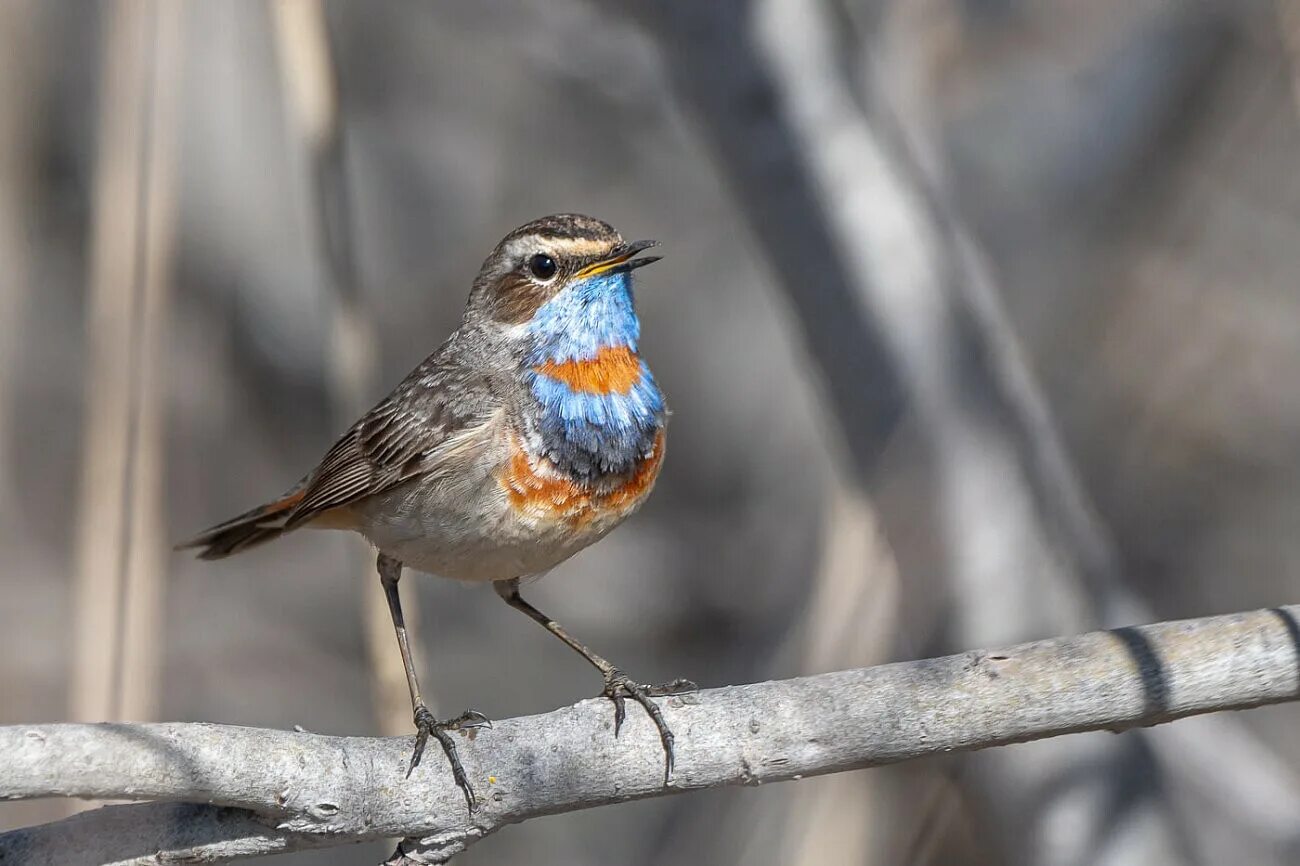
<point x="534" y="430"/>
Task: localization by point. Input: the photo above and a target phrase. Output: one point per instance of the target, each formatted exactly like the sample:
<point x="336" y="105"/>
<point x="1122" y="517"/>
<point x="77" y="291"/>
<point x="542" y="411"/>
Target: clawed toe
<point x="618" y="687"/>
<point x="427" y="726"/>
<point x="678" y="686"/>
<point x="469" y="719"/>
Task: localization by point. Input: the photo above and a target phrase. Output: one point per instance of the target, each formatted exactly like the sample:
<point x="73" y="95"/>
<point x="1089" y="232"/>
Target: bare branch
<point x="268" y="791"/>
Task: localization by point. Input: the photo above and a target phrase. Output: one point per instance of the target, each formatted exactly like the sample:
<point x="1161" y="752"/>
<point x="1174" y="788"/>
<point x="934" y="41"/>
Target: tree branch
<point x="266" y="791"/>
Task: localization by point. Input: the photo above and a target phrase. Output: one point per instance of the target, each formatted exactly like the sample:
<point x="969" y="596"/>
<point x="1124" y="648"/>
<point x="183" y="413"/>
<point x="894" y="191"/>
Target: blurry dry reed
<point x="850" y="622"/>
<point x="312" y="99"/>
<point x="17" y="151"/>
<point x="1288" y="14"/>
<point x="121" y="542"/>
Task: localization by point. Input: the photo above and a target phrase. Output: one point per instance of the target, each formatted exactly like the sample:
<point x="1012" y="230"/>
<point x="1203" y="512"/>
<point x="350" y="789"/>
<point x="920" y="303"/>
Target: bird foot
<point x="678" y="686"/>
<point x="426" y="726"/>
<point x="619" y="687"/>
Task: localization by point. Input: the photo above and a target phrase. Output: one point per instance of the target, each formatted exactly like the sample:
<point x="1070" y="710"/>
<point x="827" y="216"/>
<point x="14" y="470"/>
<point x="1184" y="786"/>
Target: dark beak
<point x="623" y="260"/>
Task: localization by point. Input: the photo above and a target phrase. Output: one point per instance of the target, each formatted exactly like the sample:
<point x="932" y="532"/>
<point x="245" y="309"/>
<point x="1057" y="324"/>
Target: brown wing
<point x="436" y="415"/>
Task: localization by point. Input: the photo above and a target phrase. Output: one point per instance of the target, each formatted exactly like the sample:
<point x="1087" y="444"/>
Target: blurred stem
<point x="312" y="96"/>
<point x="18" y="59"/>
<point x="850" y="621"/>
<point x="1288" y="14"/>
<point x="121" y="543"/>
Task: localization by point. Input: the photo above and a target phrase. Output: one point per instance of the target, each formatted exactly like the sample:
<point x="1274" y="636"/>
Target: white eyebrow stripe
<point x="519" y="248"/>
<point x="580" y="247"/>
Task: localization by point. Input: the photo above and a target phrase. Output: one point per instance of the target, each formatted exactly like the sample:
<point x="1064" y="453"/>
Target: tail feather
<point x="258" y="526"/>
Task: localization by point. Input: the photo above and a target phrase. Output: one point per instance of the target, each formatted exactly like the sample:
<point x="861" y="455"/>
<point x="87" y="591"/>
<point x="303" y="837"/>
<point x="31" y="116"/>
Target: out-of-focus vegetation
<point x="1130" y="170"/>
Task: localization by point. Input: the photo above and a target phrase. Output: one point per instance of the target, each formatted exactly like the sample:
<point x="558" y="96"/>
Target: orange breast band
<point x="614" y="370"/>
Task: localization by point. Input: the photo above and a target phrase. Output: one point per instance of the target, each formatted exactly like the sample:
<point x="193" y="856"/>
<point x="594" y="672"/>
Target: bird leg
<point x="618" y="687"/>
<point x="390" y="572"/>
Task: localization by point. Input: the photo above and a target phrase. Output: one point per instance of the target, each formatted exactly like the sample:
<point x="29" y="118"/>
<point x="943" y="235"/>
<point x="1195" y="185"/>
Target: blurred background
<point x="979" y="320"/>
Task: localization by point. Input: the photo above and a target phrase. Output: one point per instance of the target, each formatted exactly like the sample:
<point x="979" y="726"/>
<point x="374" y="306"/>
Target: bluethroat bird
<point x="533" y="431"/>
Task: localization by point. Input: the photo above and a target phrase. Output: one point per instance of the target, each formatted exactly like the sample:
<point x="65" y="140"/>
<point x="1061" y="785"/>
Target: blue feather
<point x="591" y="434"/>
<point x="585" y="317"/>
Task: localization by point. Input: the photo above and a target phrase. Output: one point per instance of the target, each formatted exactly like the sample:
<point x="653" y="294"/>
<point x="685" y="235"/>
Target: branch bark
<point x="255" y="791"/>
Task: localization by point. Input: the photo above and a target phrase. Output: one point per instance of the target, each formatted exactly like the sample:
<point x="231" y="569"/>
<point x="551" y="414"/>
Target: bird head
<point x="562" y="285"/>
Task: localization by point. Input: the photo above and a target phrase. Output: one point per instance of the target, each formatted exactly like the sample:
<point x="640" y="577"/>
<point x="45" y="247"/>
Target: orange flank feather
<point x="540" y="489"/>
<point x="286" y="502"/>
<point x="614" y="370"/>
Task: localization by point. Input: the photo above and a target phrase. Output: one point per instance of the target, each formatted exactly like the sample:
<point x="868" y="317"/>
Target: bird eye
<point x="542" y="266"/>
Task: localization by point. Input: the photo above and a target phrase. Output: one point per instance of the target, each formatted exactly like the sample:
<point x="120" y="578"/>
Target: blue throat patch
<point x="592" y="434"/>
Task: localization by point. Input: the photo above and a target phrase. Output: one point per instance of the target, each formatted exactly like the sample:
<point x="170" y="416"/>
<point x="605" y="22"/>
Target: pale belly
<point x="489" y="547"/>
<point x="514" y="522"/>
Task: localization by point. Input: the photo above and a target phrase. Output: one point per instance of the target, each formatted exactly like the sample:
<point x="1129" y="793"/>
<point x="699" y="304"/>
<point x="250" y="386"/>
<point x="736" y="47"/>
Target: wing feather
<point x="438" y="414"/>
